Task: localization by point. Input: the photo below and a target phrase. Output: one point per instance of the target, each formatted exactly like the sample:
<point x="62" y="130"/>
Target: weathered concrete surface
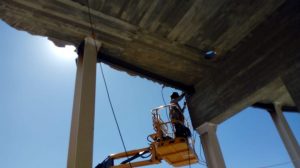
<point x="292" y="82"/>
<point x="252" y="72"/>
<point x="164" y="37"/>
<point x="82" y="124"/>
<point x="211" y="147"/>
<point x="257" y="44"/>
<point x="286" y="134"/>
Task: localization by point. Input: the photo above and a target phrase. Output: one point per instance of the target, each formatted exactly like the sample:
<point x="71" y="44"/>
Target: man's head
<point x="174" y="95"/>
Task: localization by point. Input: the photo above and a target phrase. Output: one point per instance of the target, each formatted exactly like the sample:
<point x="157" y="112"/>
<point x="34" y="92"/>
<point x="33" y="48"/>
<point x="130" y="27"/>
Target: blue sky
<point x="36" y="95"/>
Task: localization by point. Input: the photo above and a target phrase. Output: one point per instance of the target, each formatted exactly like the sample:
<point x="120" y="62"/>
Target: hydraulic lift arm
<point x="131" y="155"/>
<point x="175" y="150"/>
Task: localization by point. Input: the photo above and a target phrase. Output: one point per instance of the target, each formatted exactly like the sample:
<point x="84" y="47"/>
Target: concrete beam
<point x="286" y="135"/>
<point x="120" y="39"/>
<point x="270" y="107"/>
<point x="131" y="68"/>
<point x="82" y="127"/>
<point x="211" y="147"/>
<point x="292" y="83"/>
<point x="260" y="59"/>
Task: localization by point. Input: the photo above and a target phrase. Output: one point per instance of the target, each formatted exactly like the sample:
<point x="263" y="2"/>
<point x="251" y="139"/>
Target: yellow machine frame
<point x="177" y="151"/>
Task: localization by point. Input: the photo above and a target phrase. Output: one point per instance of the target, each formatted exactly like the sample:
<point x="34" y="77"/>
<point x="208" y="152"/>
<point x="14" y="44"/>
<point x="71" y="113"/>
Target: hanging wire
<point x="200" y="152"/>
<point x="163" y="98"/>
<point x="201" y="160"/>
<point x="90" y="19"/>
<point x="162" y="94"/>
<point x="105" y="84"/>
<point x="187" y="141"/>
<point x="113" y="111"/>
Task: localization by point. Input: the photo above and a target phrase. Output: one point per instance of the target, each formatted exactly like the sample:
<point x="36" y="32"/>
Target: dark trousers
<point x="181" y="130"/>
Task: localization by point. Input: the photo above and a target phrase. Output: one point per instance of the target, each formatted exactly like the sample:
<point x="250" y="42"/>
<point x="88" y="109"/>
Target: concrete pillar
<point x="286" y="135"/>
<point x="211" y="147"/>
<point x="82" y="127"/>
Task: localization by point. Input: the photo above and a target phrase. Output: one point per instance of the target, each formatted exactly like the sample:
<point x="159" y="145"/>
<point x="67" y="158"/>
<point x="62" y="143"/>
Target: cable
<point x="162" y="94"/>
<point x="90" y="19"/>
<point x="188" y="146"/>
<point x="144" y="157"/>
<point x="166" y="109"/>
<point x="200" y="152"/>
<point x="202" y="160"/>
<point x="113" y="111"/>
<point x="149" y="139"/>
<point x="163" y="98"/>
<point x="105" y="84"/>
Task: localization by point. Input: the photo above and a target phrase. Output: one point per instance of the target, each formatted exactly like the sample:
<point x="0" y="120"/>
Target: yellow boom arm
<point x="176" y="150"/>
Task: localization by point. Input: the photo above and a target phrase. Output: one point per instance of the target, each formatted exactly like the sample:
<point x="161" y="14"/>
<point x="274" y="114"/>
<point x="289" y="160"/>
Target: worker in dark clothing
<point x="177" y="117"/>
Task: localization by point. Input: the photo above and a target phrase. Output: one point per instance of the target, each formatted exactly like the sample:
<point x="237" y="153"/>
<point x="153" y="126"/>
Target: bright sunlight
<point x="66" y="53"/>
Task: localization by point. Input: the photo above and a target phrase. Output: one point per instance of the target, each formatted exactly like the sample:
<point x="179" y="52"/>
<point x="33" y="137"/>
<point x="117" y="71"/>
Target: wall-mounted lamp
<point x="210" y="54"/>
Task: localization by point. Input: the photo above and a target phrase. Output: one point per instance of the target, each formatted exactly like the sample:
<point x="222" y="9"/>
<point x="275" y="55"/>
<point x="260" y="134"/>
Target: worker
<point x="177" y="117"/>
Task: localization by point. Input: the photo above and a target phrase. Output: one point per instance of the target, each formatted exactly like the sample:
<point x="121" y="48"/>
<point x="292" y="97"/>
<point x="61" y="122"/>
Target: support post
<point x="211" y="147"/>
<point x="286" y="134"/>
<point x="80" y="153"/>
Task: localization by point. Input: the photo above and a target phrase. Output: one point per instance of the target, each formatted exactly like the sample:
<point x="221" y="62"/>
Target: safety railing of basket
<point x="164" y="122"/>
<point x="167" y="127"/>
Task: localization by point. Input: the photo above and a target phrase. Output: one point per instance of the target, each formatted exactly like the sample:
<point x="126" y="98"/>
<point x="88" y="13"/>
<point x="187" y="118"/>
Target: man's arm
<point x="181" y="96"/>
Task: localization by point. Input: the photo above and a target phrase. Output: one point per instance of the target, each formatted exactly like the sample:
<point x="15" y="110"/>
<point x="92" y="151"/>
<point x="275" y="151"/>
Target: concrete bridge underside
<point x="257" y="45"/>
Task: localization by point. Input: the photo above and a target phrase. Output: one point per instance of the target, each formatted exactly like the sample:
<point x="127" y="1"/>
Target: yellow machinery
<point x="177" y="151"/>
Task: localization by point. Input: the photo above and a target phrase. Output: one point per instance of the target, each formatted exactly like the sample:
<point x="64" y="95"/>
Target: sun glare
<point x="64" y="53"/>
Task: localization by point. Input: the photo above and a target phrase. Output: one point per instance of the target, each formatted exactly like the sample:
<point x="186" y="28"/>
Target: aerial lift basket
<point x="176" y="151"/>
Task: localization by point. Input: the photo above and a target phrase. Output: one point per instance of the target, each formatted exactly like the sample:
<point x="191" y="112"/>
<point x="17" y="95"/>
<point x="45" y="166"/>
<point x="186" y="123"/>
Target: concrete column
<point x="286" y="135"/>
<point x="211" y="147"/>
<point x="82" y="127"/>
